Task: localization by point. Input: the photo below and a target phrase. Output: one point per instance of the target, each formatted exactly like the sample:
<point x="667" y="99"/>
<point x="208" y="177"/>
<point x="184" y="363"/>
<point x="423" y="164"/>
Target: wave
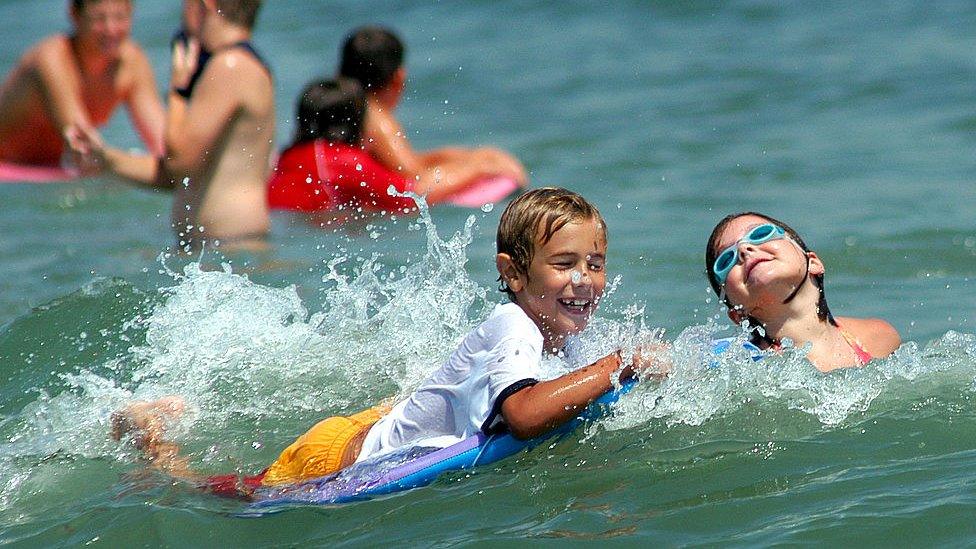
<point x="257" y="367"/>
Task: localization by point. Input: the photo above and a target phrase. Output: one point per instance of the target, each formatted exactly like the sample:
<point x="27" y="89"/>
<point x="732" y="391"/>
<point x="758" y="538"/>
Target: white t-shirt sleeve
<point x="511" y="365"/>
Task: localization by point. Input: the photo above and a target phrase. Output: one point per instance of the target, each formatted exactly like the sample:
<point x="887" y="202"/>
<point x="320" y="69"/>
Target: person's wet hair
<point x="331" y="109"/>
<point x="78" y="5"/>
<point x="371" y="55"/>
<point x="240" y="12"/>
<point x="711" y="253"/>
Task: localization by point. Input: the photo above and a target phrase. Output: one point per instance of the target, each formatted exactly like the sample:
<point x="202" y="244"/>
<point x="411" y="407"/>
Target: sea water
<point x="854" y="123"/>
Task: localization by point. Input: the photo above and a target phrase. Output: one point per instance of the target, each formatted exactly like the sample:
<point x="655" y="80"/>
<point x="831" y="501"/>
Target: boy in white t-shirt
<point x="552" y="247"/>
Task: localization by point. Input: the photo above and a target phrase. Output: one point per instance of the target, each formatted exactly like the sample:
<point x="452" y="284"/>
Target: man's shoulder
<point x="53" y="49"/>
<point x="380" y="120"/>
<point x="235" y="76"/>
<point x="130" y="52"/>
<point x="240" y="62"/>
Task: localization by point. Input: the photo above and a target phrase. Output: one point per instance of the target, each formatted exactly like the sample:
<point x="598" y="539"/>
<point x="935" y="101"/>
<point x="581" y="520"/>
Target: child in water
<point x="551" y="258"/>
<point x="327" y="172"/>
<point x="770" y="279"/>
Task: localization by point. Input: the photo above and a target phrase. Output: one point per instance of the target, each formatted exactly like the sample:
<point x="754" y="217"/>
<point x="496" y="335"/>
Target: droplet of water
<point x="487" y="207"/>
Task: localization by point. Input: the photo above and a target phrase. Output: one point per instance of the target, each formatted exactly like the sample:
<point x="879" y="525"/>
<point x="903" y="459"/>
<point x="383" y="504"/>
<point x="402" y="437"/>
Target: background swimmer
<point x="219" y="134"/>
<point x="78" y="79"/>
<point x="374" y="57"/>
<point x="327" y="172"/>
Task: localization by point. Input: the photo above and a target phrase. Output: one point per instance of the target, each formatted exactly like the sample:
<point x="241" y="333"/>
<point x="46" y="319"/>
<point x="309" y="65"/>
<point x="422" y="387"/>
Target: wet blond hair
<point x="548" y="208"/>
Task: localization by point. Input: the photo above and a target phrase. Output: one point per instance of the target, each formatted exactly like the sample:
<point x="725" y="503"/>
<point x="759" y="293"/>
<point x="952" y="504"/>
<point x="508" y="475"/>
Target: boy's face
<point x="564" y="282"/>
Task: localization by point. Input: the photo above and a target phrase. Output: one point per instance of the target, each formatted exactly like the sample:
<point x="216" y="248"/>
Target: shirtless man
<point x="218" y="135"/>
<point x="374" y="57"/>
<point x="78" y="80"/>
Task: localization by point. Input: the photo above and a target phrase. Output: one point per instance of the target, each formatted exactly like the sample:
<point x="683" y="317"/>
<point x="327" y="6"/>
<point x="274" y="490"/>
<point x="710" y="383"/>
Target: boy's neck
<point x="551" y="344"/>
<point x="220" y="33"/>
<point x="384" y="99"/>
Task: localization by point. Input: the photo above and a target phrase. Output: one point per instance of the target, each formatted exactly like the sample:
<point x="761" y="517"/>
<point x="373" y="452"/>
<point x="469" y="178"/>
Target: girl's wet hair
<point x="548" y="208"/>
<point x="823" y="311"/>
<point x="331" y="109"/>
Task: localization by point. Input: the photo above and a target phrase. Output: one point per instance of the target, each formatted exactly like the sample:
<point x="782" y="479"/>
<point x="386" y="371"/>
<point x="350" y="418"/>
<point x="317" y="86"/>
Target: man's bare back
<point x="78" y="80"/>
<point x="225" y="199"/>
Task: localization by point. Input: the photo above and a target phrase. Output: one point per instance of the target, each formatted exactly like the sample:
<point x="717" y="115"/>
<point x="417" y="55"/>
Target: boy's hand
<point x="184" y="63"/>
<point x="85" y="148"/>
<point x="653" y="360"/>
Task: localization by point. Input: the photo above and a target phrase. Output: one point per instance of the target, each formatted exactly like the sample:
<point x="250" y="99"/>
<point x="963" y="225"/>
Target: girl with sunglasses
<point x="769" y="278"/>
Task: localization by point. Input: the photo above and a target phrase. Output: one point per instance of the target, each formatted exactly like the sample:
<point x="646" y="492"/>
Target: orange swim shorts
<point x="324" y="449"/>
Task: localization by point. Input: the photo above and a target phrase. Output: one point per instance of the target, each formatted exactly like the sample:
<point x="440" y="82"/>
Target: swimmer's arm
<point x="443" y="154"/>
<point x="386" y="141"/>
<point x="140" y="169"/>
<point x="144" y="106"/>
<point x="544" y="406"/>
<point x="439" y="183"/>
<point x="57" y="74"/>
<point x="92" y="156"/>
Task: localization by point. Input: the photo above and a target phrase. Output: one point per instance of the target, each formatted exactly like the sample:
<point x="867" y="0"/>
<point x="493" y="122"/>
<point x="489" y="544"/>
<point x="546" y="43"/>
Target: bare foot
<point x="146" y="422"/>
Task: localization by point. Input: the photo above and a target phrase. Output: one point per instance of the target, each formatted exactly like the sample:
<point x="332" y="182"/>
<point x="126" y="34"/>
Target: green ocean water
<point x="853" y="122"/>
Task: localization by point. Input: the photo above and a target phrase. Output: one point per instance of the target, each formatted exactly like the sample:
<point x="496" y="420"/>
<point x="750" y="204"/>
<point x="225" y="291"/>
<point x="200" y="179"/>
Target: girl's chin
<point x="762" y="275"/>
<point x="762" y="304"/>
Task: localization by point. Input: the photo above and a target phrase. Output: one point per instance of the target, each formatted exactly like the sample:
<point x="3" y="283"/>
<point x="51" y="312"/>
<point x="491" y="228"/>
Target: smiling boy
<point x="552" y="247"/>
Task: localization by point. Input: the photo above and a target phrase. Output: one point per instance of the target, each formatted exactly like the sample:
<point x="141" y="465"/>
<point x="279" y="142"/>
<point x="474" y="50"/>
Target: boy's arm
<point x="387" y="143"/>
<point x="143" y="104"/>
<point x="92" y="156"/>
<point x="544" y="406"/>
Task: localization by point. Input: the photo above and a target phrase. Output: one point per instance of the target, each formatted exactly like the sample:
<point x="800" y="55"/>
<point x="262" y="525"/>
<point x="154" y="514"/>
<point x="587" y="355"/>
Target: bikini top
<point x="863" y="357"/>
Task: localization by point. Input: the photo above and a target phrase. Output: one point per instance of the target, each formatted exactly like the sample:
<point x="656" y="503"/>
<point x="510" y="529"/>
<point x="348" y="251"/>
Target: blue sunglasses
<point x="730" y="256"/>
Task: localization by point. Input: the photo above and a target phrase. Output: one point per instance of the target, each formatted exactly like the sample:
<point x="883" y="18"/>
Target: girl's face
<point x="766" y="274"/>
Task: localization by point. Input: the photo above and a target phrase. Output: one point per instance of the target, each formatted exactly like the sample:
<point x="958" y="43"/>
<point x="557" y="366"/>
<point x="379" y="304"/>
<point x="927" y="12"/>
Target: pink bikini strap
<point x="863" y="357"/>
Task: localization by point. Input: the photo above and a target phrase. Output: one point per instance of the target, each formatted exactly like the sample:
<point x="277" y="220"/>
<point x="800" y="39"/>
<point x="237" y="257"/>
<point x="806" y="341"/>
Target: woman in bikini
<point x="769" y="278"/>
